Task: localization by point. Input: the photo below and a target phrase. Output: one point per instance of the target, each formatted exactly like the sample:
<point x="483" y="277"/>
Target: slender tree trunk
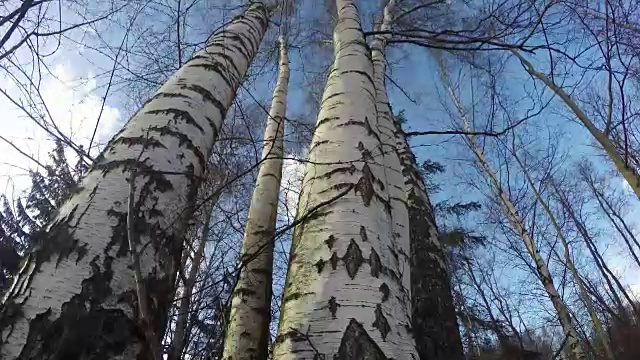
<point x="346" y="294"/>
<point x="597" y="257"/>
<point x="247" y="333"/>
<point x="629" y="174"/>
<point x="582" y="292"/>
<point x="615" y="218"/>
<point x="573" y="340"/>
<point x="180" y="334"/>
<point x="75" y="296"/>
<point x="434" y="322"/>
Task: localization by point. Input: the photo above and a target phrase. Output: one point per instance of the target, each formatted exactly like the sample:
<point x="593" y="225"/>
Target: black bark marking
<point x="295" y="296"/>
<point x="381" y="323"/>
<point x="363" y="233"/>
<point x="161" y="95"/>
<point x="340" y="170"/>
<point x="353" y="122"/>
<point x="333" y="306"/>
<point x="330" y="241"/>
<point x="331" y="97"/>
<point x="210" y="98"/>
<point x="366" y="154"/>
<point x="178" y="114"/>
<point x="365" y="185"/>
<point x="243" y="293"/>
<point x="374" y="262"/>
<point x="217" y="68"/>
<point x="83" y="329"/>
<point x="143" y="169"/>
<point x="326" y="120"/>
<point x="359" y="72"/>
<point x="183" y="141"/>
<point x="353" y="259"/>
<point x="367" y="126"/>
<point x="318" y="143"/>
<point x="320" y="265"/>
<point x="356" y="344"/>
<point x="384" y="289"/>
<point x="119" y="235"/>
<point x="334" y="260"/>
<point x="142" y="140"/>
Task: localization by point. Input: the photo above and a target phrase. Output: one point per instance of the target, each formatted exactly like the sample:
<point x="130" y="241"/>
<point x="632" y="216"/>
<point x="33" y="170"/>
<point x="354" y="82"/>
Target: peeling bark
<point x="247" y="333"/>
<point x="357" y="308"/>
<point x="74" y="297"/>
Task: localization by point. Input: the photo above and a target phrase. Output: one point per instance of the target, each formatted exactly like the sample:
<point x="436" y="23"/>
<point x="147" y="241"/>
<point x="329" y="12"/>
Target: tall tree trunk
<point x="575" y="350"/>
<point x="434" y="322"/>
<point x="630" y="174"/>
<point x="346" y="294"/>
<point x="582" y="292"/>
<point x="75" y="296"/>
<point x="247" y="333"/>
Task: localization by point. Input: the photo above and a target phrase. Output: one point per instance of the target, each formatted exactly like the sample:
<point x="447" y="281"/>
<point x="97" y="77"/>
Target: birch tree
<point x="575" y="349"/>
<point x="582" y="292"/>
<point x="347" y="289"/>
<point x="248" y="330"/>
<point x="434" y="322"/>
<point x="75" y="296"/>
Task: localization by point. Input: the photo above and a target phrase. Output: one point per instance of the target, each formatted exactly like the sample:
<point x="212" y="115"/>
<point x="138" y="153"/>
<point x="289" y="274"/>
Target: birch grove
<point x="476" y="200"/>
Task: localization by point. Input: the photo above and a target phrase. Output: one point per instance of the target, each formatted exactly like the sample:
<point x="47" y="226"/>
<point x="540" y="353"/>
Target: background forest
<point x="521" y="115"/>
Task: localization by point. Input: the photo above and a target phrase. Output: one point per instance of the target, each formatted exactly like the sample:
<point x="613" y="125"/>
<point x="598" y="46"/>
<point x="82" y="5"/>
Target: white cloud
<point x="73" y="105"/>
<point x="292" y="174"/>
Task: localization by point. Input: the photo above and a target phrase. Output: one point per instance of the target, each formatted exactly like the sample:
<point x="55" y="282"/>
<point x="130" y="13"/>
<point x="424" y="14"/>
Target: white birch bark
<point x="75" y="296"/>
<point x="247" y="333"/>
<point x="434" y="322"/>
<point x="575" y="350"/>
<point x="345" y="293"/>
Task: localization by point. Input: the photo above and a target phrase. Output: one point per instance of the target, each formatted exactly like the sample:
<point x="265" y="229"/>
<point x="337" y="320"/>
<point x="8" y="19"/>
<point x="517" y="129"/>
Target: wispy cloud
<point x="71" y="102"/>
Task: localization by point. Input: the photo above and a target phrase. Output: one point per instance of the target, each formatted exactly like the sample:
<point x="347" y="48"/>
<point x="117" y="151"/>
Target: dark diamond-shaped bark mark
<point x="365" y="185"/>
<point x="367" y="125"/>
<point x="334" y="260"/>
<point x="363" y="234"/>
<point x="333" y="306"/>
<point x="353" y="259"/>
<point x="381" y="323"/>
<point x="330" y="241"/>
<point x="320" y="265"/>
<point x="375" y="263"/>
<point x="357" y="344"/>
<point x="366" y="154"/>
<point x="384" y="289"/>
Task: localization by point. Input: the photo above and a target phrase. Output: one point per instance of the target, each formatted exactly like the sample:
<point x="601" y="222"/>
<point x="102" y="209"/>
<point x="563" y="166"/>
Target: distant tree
<point x="24" y="217"/>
